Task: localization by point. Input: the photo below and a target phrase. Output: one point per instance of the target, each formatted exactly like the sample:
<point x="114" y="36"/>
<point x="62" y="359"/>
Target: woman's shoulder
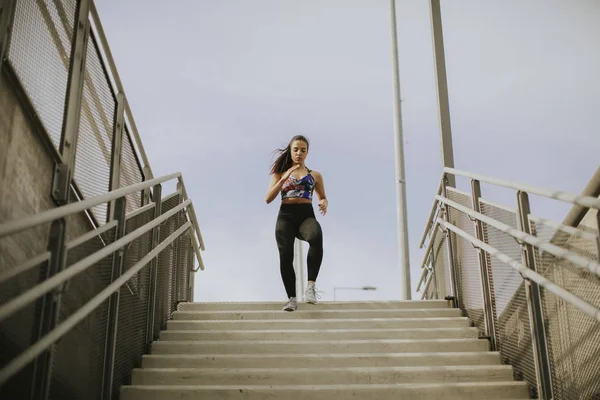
<point x="315" y="173"/>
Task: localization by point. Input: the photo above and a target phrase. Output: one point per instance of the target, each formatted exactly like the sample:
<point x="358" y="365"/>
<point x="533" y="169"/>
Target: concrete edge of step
<point x="315" y="342"/>
<point x="301" y="370"/>
<point x="329" y="387"/>
<point x="332" y="355"/>
<point x="326" y="330"/>
<point x="315" y="308"/>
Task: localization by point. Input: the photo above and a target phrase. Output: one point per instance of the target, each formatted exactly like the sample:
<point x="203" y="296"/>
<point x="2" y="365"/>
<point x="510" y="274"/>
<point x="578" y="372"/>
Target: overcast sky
<point x="216" y="85"/>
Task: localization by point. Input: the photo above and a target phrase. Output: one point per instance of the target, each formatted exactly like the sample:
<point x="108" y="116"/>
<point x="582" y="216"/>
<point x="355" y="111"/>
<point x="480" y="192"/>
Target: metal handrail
<point x="584" y="201"/>
<point x="559" y="252"/>
<point x="55" y="281"/>
<point x="16" y="226"/>
<point x="19" y="225"/>
<point x="431" y="217"/>
<point x="53" y="336"/>
<point x="580" y="200"/>
<point x="528" y="273"/>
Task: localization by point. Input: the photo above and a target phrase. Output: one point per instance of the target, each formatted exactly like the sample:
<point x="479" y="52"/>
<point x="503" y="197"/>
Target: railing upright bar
<point x="486" y="283"/>
<point x="534" y="304"/>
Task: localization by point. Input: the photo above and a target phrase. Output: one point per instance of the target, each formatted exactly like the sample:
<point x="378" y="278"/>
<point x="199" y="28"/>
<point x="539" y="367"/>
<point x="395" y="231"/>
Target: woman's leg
<point x="285" y="231"/>
<point x="310" y="231"/>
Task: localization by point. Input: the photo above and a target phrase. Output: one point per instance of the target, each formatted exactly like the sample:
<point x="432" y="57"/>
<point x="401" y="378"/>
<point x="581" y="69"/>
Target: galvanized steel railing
<point x="135" y="270"/>
<point x="532" y="286"/>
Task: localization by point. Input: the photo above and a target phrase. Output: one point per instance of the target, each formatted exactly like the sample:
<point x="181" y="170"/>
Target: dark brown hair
<point x="283" y="162"/>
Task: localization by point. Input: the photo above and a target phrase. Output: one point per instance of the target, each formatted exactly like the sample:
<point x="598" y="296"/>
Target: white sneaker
<point x="311" y="294"/>
<point x="292" y="305"/>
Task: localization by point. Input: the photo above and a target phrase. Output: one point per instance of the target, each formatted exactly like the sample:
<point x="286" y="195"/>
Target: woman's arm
<point x="320" y="191"/>
<point x="277" y="181"/>
<point x="274" y="187"/>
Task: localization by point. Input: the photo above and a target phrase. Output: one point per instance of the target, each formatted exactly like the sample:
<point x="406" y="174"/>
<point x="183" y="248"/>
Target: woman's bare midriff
<point x="296" y="201"/>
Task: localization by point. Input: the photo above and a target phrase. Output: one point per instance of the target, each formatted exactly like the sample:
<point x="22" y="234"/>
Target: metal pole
<point x="454" y="278"/>
<point x="488" y="298"/>
<point x="534" y="304"/>
<point x="117" y="148"/>
<point x="299" y="268"/>
<point x="7" y="16"/>
<point x="113" y="305"/>
<point x="47" y="312"/>
<point x="405" y="292"/>
<point x="157" y="195"/>
<point x="70" y="127"/>
<point x="598" y="230"/>
<point x="442" y="89"/>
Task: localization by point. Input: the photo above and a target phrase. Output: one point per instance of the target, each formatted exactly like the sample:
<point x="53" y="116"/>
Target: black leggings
<point x="298" y="221"/>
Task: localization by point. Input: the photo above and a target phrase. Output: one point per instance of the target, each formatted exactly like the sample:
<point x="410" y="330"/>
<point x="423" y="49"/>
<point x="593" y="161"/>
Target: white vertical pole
<point x="299" y="269"/>
<point x="405" y="292"/>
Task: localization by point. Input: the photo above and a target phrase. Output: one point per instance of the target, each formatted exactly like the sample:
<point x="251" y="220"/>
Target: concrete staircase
<point x="366" y="350"/>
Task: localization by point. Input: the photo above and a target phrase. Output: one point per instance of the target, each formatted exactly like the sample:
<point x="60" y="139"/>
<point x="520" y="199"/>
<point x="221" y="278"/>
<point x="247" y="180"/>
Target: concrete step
<point x="314" y="312"/>
<point x="319" y="324"/>
<point x="319" y="360"/>
<point x="325" y="334"/>
<point x="318" y="347"/>
<point x="277" y="305"/>
<point x="447" y="391"/>
<point x="322" y="376"/>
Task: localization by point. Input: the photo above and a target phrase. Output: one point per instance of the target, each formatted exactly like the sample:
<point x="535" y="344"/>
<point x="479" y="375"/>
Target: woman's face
<point x="299" y="151"/>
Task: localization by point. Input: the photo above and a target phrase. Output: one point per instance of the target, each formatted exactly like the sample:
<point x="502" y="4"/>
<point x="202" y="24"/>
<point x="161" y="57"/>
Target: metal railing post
<point x="113" y="304"/>
<point x="117" y="149"/>
<point x="47" y="312"/>
<point x="534" y="304"/>
<point x="450" y="249"/>
<point x="70" y="128"/>
<point x="191" y="277"/>
<point x="7" y="16"/>
<point x="488" y="297"/>
<point x="598" y="233"/>
<point x="157" y="195"/>
<point x="179" y="267"/>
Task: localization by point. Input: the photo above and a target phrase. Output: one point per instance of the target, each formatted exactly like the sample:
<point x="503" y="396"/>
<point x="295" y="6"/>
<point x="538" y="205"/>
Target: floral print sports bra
<point x="301" y="188"/>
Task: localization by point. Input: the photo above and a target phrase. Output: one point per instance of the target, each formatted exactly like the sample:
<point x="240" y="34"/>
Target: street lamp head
<point x="369" y="288"/>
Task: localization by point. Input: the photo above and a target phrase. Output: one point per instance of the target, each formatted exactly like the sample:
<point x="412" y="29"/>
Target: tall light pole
<point x="405" y="292"/>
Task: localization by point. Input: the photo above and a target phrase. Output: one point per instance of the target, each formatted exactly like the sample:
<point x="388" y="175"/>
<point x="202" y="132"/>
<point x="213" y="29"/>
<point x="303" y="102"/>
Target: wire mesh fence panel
<point x="94" y="144"/>
<point x="573" y="337"/>
<point x="79" y="356"/>
<point x="39" y="52"/>
<point x="165" y="289"/>
<point x="20" y="272"/>
<point x="466" y="260"/>
<point x="509" y="293"/>
<point x="131" y="171"/>
<point x="183" y="264"/>
<point x="441" y="278"/>
<point x="134" y="297"/>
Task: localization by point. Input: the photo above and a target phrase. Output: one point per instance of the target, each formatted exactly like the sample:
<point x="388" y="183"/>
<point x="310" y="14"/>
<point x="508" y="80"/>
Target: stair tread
<point x="314" y="309"/>
<point x="327" y="355"/>
<point x="337" y="387"/>
<point x="328" y="369"/>
<point x="315" y="342"/>
<point x="452" y="329"/>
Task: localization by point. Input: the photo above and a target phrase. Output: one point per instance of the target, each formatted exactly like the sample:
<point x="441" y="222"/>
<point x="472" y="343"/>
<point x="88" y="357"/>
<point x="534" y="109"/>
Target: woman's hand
<point x="286" y="174"/>
<point x="323" y="206"/>
<point x="277" y="182"/>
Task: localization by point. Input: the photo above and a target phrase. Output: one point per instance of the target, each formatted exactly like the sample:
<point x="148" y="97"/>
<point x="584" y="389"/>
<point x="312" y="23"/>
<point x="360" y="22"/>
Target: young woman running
<point x="296" y="219"/>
